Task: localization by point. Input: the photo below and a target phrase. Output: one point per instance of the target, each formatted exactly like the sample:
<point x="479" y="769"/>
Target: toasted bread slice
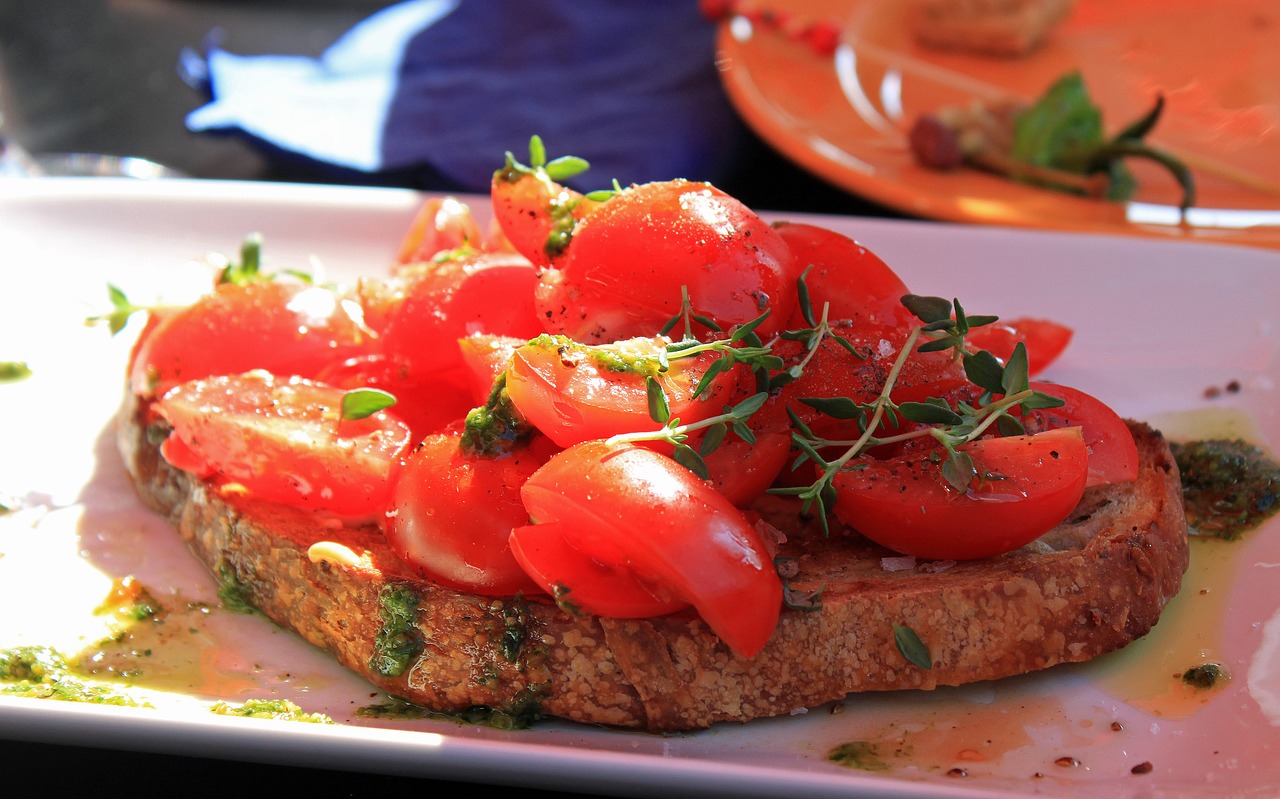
<point x="1097" y="582"/>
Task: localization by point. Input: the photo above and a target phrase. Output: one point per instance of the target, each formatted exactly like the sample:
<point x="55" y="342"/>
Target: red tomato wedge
<point x="284" y="328"/>
<point x="1045" y="340"/>
<point x="1026" y="485"/>
<point x="284" y="440"/>
<point x="486" y="293"/>
<point x="633" y="508"/>
<point x="574" y="392"/>
<point x="1113" y="455"/>
<point x="845" y="275"/>
<point x="451" y="514"/>
<point x="583" y="585"/>
<point x="441" y="224"/>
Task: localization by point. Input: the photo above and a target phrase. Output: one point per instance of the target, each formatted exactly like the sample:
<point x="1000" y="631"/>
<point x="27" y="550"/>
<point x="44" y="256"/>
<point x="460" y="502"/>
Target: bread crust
<point x="1092" y="585"/>
<point x="1008" y="28"/>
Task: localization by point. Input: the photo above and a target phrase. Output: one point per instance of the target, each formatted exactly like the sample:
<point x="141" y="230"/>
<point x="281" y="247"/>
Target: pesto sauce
<point x="398" y="642"/>
<point x="1205" y="676"/>
<point x="233" y="593"/>
<point x="493" y="428"/>
<point x="39" y="672"/>
<point x="515" y="630"/>
<point x="277" y="709"/>
<point x="617" y="359"/>
<point x="862" y="755"/>
<point x="13" y="371"/>
<point x="520" y="714"/>
<point x="1229" y="486"/>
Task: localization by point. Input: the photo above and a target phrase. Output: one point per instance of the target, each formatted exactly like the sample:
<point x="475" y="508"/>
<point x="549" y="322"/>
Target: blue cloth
<point x="448" y="86"/>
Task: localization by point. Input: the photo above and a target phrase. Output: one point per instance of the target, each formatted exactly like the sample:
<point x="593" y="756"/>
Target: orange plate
<point x="844" y="116"/>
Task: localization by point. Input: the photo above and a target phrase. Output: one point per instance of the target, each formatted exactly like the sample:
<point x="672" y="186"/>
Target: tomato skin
<point x="1113" y="454"/>
<point x="456" y="298"/>
<point x="283" y="328"/>
<point x="451" y="514"/>
<point x="426" y="405"/>
<point x="622" y="272"/>
<point x="633" y="508"/>
<point x="441" y="224"/>
<point x="906" y="505"/>
<point x="570" y="395"/>
<point x="284" y="440"/>
<point x="853" y="280"/>
<point x="1044" y="339"/>
<point x="582" y="584"/>
<point x="529" y="207"/>
<point x="835" y="372"/>
<point x="485" y="358"/>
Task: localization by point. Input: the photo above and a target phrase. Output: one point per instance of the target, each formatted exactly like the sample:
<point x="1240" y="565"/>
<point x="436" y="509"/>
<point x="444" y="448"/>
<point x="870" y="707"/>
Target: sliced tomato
<point x="1045" y="340"/>
<point x="442" y="224"/>
<point x="1026" y="485"/>
<point x="485" y="358"/>
<point x="574" y="392"/>
<point x="635" y="509"/>
<point x="1113" y="454"/>
<point x="582" y="584"/>
<point x="426" y="404"/>
<point x="284" y="328"/>
<point x="451" y="514"/>
<point x="832" y="371"/>
<point x="457" y="298"/>
<point x="622" y="272"/>
<point x="850" y="279"/>
<point x="284" y="440"/>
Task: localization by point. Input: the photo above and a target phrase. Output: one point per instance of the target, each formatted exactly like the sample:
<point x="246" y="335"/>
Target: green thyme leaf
<point x="911" y="647"/>
<point x="566" y="167"/>
<point x="659" y="410"/>
<point x="928" y="309"/>
<point x="689" y="458"/>
<point x="929" y="413"/>
<point x="361" y="403"/>
<point x="959" y="471"/>
<point x="984" y="370"/>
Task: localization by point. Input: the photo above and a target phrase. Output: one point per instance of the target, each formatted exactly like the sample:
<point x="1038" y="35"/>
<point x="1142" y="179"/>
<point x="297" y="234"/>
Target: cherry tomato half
<point x="1025" y="486"/>
<point x="284" y="328"/>
<point x="574" y="392"/>
<point x="845" y="275"/>
<point x="451" y="514"/>
<point x="284" y="440"/>
<point x="441" y="224"/>
<point x="1113" y="455"/>
<point x="582" y="584"/>
<point x="447" y="301"/>
<point x="622" y="272"/>
<point x="1045" y="340"/>
<point x="633" y="508"/>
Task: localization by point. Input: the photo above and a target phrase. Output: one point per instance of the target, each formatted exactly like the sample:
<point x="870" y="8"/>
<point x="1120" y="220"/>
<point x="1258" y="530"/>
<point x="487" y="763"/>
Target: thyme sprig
<point x="734" y="419"/>
<point x="121" y="310"/>
<point x="820" y="328"/>
<point x="952" y="428"/>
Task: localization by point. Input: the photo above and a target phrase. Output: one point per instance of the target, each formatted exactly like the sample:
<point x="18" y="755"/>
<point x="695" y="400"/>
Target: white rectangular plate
<point x="1157" y="325"/>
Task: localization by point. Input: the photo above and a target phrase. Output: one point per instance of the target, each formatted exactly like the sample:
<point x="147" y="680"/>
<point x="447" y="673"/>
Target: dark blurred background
<point x="101" y="76"/>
